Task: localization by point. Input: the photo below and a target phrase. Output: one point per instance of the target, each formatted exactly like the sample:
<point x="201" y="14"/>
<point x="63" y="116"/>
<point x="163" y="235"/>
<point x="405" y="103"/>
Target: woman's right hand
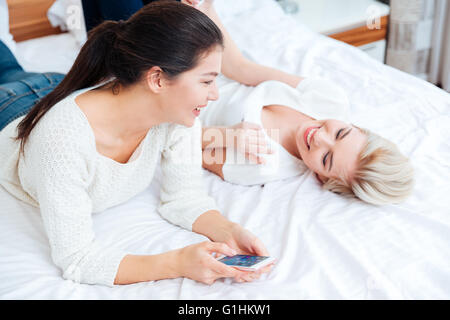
<point x="251" y="141"/>
<point x="197" y="262"/>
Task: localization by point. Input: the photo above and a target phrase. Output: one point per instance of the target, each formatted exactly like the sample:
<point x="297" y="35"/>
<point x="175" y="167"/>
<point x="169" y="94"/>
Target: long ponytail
<point x="168" y="34"/>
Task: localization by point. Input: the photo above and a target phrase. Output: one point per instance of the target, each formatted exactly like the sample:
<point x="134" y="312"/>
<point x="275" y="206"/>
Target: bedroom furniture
<point x="418" y="37"/>
<point x="361" y="23"/>
<point x="28" y="19"/>
<point x="326" y="246"/>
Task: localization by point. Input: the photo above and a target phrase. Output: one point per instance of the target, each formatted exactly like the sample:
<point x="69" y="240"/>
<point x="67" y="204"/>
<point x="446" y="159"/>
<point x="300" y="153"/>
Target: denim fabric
<point x="17" y="97"/>
<point x="20" y="90"/>
<point x="10" y="70"/>
<point x="97" y="11"/>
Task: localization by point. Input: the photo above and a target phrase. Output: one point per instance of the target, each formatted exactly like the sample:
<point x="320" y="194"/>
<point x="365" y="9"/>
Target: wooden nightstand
<point x="362" y="23"/>
<point x="28" y="19"/>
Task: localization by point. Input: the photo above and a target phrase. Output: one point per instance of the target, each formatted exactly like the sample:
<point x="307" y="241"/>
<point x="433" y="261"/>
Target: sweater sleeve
<point x="183" y="195"/>
<point x="61" y="169"/>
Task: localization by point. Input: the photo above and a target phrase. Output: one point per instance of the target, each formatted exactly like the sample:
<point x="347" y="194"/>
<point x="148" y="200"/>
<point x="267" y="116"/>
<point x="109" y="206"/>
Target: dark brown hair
<point x="167" y="34"/>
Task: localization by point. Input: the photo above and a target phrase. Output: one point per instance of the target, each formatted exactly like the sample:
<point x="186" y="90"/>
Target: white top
<point x="66" y="177"/>
<point x="316" y="97"/>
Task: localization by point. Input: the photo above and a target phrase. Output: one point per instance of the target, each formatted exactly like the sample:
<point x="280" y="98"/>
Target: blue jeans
<point x="96" y="11"/>
<point x="20" y="90"/>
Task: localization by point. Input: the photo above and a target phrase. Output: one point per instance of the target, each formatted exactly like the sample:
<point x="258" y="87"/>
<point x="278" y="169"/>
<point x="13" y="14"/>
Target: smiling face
<point x="330" y="147"/>
<point x="190" y="91"/>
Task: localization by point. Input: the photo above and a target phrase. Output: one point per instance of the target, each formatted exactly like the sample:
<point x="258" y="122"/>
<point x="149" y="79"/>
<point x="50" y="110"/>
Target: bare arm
<point x="183" y="262"/>
<point x="213" y="225"/>
<point x="245" y="137"/>
<point x="235" y="66"/>
<point x="195" y="261"/>
<point x="214" y="137"/>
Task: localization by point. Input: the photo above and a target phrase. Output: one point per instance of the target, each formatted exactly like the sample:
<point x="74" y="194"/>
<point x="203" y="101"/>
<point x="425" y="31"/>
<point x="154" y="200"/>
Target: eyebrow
<point x="215" y="74"/>
<point x="331" y="157"/>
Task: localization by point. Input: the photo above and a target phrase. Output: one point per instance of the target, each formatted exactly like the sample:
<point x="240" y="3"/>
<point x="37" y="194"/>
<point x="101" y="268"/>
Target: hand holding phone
<point x="247" y="262"/>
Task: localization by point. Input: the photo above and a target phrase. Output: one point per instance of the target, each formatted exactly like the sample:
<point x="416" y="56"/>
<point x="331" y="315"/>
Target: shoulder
<point x="63" y="129"/>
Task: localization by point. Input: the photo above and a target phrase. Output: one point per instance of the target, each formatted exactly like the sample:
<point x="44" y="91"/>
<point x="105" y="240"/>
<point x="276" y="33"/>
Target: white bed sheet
<point x="55" y="53"/>
<point x="327" y="247"/>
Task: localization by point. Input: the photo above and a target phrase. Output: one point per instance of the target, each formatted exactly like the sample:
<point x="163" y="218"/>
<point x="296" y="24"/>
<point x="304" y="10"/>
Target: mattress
<point x="326" y="246"/>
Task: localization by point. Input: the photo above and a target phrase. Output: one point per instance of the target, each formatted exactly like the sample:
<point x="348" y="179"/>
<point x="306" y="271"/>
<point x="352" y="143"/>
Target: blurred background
<point x="410" y="35"/>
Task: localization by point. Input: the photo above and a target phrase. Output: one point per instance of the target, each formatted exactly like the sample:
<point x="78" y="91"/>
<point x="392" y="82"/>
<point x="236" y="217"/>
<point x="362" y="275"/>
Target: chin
<point x="297" y="143"/>
<point x="189" y="122"/>
<point x="300" y="153"/>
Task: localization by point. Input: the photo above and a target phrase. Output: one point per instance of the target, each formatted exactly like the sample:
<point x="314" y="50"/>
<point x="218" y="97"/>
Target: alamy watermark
<point x="245" y="147"/>
<point x="373" y="20"/>
<point x="74" y="17"/>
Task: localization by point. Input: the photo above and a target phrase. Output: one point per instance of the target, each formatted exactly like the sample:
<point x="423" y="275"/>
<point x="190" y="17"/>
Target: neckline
<point x="91" y="131"/>
<point x="265" y="99"/>
<point x="279" y="145"/>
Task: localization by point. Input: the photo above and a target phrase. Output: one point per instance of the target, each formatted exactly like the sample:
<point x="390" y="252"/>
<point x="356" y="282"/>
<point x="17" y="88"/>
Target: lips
<point x="199" y="107"/>
<point x="305" y="135"/>
<point x="196" y="111"/>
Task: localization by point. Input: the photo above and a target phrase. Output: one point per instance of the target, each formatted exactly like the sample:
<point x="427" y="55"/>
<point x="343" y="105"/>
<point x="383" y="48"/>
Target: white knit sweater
<point x="64" y="175"/>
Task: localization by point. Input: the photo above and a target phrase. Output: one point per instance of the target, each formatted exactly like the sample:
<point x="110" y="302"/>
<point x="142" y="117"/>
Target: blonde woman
<point x="261" y="130"/>
<point x="254" y="135"/>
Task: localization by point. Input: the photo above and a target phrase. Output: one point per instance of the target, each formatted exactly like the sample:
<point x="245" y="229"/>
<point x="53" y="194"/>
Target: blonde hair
<point x="383" y="175"/>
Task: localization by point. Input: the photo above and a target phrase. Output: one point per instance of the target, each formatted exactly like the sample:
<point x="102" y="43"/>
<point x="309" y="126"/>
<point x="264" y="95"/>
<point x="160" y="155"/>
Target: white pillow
<point x="68" y="15"/>
<point x="231" y="8"/>
<point x="5" y="35"/>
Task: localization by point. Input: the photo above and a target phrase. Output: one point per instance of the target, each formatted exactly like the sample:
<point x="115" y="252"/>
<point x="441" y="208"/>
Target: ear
<point x="155" y="79"/>
<point x="320" y="178"/>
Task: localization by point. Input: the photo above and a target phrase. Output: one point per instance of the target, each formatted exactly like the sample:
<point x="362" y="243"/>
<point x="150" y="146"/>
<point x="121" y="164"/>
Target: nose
<point x="213" y="94"/>
<point x="322" y="138"/>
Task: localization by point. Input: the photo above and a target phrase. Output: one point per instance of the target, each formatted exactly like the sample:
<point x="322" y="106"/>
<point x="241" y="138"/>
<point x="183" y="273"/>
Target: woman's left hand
<point x="245" y="242"/>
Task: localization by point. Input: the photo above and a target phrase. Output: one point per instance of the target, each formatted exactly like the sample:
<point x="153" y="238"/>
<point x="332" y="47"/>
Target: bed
<point x="326" y="246"/>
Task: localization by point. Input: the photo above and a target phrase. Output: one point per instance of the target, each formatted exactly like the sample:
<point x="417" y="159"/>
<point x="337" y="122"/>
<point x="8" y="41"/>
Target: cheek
<point x="194" y="95"/>
<point x="311" y="161"/>
<point x="185" y="97"/>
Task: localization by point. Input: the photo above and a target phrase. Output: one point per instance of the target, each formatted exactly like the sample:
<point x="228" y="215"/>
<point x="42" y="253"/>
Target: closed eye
<point x="338" y="133"/>
<point x="345" y="134"/>
<point x="208" y="82"/>
<point x="324" y="161"/>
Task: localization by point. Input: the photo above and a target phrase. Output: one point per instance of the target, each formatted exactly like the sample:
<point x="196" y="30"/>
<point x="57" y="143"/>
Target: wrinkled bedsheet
<point x="326" y="246"/>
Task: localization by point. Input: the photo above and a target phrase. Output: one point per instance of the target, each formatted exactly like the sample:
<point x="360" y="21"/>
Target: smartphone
<point x="247" y="262"/>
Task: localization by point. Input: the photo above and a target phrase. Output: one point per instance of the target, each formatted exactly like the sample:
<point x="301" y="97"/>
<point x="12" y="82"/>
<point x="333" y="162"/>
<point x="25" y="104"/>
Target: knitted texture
<point x="63" y="174"/>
